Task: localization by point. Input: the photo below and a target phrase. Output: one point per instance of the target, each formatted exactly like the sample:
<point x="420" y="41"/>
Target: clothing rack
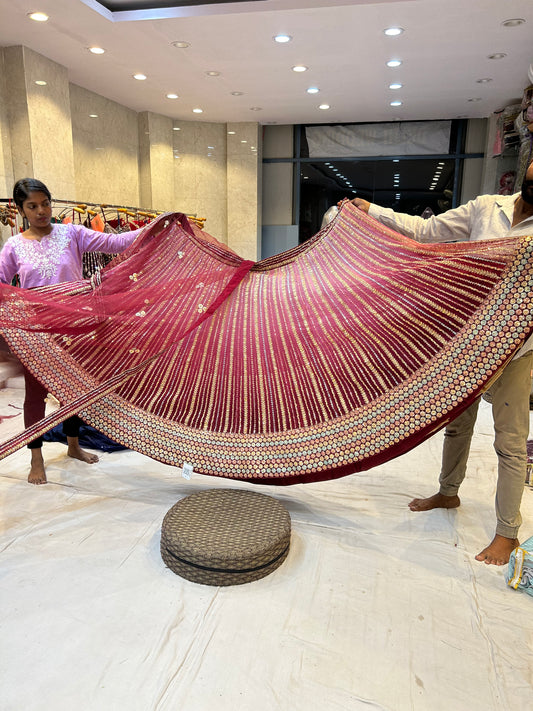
<point x="9" y="214"/>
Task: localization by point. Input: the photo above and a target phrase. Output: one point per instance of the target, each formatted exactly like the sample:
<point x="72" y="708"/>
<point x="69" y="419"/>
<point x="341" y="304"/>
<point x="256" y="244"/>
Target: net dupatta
<point x="325" y="360"/>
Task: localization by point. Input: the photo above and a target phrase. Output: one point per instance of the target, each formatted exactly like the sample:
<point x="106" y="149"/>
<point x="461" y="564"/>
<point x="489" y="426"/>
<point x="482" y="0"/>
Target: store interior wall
<point x="117" y="156"/>
<point x="120" y="157"/>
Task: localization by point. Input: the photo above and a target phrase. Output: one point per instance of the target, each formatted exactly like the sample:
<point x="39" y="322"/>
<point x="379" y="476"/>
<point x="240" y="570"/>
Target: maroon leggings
<point x="34" y="408"/>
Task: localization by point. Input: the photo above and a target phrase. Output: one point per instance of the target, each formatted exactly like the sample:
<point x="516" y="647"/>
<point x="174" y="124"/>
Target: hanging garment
<point x="328" y="359"/>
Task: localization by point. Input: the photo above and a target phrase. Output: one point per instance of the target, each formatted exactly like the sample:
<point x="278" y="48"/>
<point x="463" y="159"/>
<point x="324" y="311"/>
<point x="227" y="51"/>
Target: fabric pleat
<point x="319" y="362"/>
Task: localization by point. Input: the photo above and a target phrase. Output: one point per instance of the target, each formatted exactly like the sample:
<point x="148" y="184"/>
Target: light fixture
<point x="313" y="90"/>
<point x="176" y="128"/>
<point x="394" y="63"/>
<point x="139" y="77"/>
<point x="497" y="55"/>
<point x="198" y="111"/>
<point x="172" y="96"/>
<point x="299" y="68"/>
<point x="180" y="44"/>
<point x="231" y="133"/>
<point x="38" y="16"/>
<point x="324" y="107"/>
<point x="393" y="31"/>
<point x="93" y="115"/>
<point x="395" y="103"/>
<point x="40" y="82"/>
<point x="396" y="85"/>
<point x="514" y="22"/>
<point x="213" y="73"/>
<point x="243" y="141"/>
<point x="97" y="50"/>
<point x="282" y="38"/>
<point x="237" y="93"/>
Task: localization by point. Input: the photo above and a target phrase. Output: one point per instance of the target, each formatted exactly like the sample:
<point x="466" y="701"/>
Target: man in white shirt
<point x="486" y="217"/>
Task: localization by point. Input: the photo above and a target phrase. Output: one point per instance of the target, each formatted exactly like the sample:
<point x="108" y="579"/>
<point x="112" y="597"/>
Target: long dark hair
<point x="25" y="186"/>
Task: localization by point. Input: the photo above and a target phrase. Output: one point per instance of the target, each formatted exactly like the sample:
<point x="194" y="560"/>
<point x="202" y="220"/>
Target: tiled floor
<point x="375" y="607"/>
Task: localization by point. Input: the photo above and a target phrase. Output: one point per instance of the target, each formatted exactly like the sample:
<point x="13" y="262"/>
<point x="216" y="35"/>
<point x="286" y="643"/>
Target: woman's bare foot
<point x="37" y="473"/>
<point x="437" y="501"/>
<point x="498" y="551"/>
<point x="76" y="452"/>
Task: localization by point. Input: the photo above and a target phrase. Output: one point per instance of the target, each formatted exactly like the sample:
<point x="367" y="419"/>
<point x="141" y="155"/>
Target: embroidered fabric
<point x="44" y="256"/>
<point x="325" y="360"/>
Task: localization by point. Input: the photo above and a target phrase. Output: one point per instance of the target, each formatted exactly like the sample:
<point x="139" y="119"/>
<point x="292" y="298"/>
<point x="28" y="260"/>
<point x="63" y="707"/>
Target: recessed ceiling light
<point x="396" y="85"/>
<point x="514" y="22"/>
<point x="313" y="90"/>
<point x="180" y="44"/>
<point x="243" y="141"/>
<point x="282" y="38"/>
<point x="38" y="16"/>
<point x="324" y="107"/>
<point x="97" y="50"/>
<point x="237" y="93"/>
<point x="394" y="63"/>
<point x="213" y="73"/>
<point x="172" y="96"/>
<point x="198" y="111"/>
<point x="40" y="82"/>
<point x="139" y="77"/>
<point x="483" y="81"/>
<point x="176" y="128"/>
<point x="93" y="115"/>
<point x="497" y="55"/>
<point x="395" y="103"/>
<point x="256" y="108"/>
<point x="395" y="160"/>
<point x="299" y="68"/>
<point x="393" y="31"/>
<point x="231" y="133"/>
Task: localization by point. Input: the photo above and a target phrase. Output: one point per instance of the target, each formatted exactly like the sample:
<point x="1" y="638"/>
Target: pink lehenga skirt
<point x="325" y="360"/>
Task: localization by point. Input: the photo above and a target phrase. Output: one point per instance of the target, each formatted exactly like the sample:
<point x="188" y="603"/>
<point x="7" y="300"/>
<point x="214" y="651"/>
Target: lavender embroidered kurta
<point x="57" y="257"/>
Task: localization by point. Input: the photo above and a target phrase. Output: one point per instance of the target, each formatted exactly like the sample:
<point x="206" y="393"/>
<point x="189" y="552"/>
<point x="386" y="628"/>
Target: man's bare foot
<point x="76" y="452"/>
<point x="37" y="473"/>
<point x="498" y="551"/>
<point x="437" y="501"/>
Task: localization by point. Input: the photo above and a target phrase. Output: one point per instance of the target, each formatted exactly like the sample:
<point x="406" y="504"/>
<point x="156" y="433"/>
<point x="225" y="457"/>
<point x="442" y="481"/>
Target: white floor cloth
<point x="375" y="607"/>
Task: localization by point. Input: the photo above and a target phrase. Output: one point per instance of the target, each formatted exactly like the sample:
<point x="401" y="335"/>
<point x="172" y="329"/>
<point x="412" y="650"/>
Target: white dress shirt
<point x="486" y="217"/>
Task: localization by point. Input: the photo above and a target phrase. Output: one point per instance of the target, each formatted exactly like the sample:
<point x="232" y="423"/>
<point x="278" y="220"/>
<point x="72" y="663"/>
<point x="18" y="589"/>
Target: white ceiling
<point x="444" y="49"/>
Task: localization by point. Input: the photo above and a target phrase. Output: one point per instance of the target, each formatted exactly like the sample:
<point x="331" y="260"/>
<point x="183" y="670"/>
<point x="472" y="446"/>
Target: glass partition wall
<point x="413" y="167"/>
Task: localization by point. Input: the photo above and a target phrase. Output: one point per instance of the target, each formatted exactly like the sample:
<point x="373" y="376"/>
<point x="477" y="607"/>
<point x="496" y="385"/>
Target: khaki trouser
<point x="510" y="411"/>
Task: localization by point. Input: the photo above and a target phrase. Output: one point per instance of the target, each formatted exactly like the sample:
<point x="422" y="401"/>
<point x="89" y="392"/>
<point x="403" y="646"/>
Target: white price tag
<point x="187" y="470"/>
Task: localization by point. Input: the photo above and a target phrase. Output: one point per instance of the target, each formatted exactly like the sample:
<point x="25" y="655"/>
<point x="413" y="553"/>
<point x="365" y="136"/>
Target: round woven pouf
<point x="225" y="536"/>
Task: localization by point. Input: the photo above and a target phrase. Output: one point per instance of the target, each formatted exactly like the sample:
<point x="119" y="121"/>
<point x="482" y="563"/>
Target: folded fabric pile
<point x="520" y="571"/>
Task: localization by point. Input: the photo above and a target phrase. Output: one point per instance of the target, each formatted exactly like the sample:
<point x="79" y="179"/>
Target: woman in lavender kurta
<point x="46" y="254"/>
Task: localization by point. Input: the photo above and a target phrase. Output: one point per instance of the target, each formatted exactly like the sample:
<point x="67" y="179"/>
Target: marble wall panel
<point x="17" y="112"/>
<point x="50" y="124"/>
<point x="200" y="173"/>
<point x="161" y="162"/>
<point x="106" y="149"/>
<point x="243" y="177"/>
<point x="6" y="159"/>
